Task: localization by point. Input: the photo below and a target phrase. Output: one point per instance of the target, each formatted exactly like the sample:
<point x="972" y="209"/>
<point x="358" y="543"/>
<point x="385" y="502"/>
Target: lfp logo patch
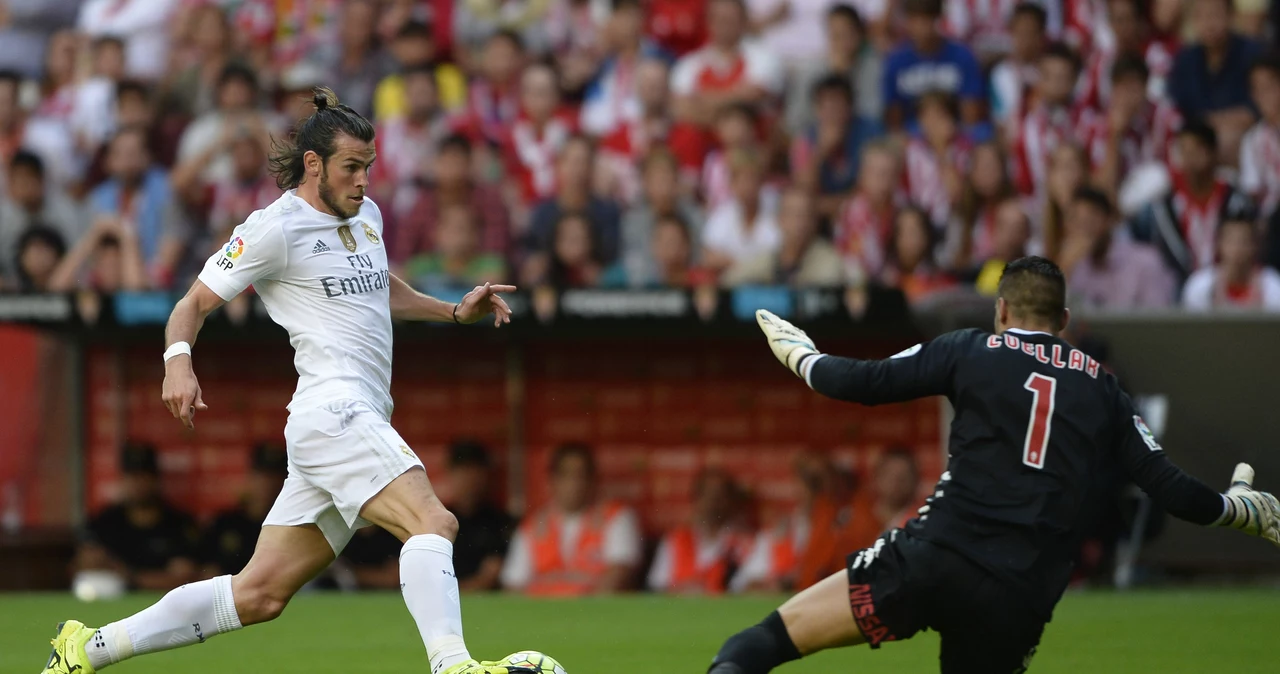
<point x="234" y="247"/>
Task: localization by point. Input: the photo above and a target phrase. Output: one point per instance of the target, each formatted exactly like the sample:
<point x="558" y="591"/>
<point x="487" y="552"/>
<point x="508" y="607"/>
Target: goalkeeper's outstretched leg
<point x="816" y="619"/>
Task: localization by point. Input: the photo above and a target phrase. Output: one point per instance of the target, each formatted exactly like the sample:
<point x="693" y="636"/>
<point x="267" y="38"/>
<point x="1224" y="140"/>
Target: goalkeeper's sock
<point x="186" y="615"/>
<point x="757" y="649"/>
<point x="430" y="590"/>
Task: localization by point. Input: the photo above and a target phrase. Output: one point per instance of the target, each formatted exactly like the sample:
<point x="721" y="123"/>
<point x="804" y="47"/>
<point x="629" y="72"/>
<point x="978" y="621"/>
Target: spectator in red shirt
<point x="938" y="158"/>
<point x="1049" y="121"/>
<point x="450" y="181"/>
<point x="1133" y="39"/>
<point x="728" y="70"/>
<point x="1135" y="129"/>
<point x="1184" y="225"/>
<point x="493" y="96"/>
<point x="680" y="26"/>
<point x="863" y="226"/>
<point x="622" y="150"/>
<point x="538" y="135"/>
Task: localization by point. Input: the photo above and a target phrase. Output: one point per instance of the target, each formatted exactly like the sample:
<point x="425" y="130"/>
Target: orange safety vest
<point x="802" y="568"/>
<point x="555" y="576"/>
<point x="686" y="575"/>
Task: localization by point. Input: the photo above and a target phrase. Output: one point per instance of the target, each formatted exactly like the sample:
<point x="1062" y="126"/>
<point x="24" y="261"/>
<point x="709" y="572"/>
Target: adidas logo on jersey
<point x="320" y="248"/>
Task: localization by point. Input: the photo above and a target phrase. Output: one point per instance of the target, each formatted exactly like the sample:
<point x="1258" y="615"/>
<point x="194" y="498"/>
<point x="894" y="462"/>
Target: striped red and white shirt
<point x="531" y="155"/>
<point x="923" y="176"/>
<point x="1095" y="80"/>
<point x="716" y="187"/>
<point x="1198" y="218"/>
<point x="1085" y="27"/>
<point x="622" y="150"/>
<point x="983" y="25"/>
<point x="1036" y="136"/>
<point x="1147" y="139"/>
<point x="861" y="236"/>
<point x="1260" y="165"/>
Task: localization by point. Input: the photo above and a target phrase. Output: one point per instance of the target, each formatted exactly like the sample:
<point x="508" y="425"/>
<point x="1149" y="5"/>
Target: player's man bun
<point x="1035" y="290"/>
<point x="318" y="134"/>
<point x="324" y="98"/>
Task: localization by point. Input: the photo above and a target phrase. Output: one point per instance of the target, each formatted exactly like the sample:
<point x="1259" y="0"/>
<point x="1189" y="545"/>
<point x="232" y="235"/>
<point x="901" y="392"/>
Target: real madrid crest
<point x="344" y="233"/>
<point x="369" y="233"/>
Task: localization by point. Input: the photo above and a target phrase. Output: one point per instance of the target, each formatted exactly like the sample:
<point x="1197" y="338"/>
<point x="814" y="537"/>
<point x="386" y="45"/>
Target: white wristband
<point x="177" y="349"/>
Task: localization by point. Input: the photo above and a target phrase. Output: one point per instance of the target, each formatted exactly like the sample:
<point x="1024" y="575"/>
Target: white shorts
<point x="340" y="456"/>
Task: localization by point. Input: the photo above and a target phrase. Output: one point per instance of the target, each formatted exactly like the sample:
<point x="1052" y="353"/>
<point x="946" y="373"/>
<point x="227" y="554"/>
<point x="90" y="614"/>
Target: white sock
<point x="430" y="590"/>
<point x="186" y="615"/>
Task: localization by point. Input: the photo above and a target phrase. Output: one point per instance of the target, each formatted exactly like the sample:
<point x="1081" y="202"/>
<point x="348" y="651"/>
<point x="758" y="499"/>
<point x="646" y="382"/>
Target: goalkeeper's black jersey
<point x="1037" y="423"/>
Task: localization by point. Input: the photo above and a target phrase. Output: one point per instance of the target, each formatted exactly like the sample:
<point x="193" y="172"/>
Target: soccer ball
<point x="534" y="662"/>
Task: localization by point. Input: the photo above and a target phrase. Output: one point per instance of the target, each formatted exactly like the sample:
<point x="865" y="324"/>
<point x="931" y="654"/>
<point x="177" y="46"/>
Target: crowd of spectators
<point x="575" y="544"/>
<point x="914" y="144"/>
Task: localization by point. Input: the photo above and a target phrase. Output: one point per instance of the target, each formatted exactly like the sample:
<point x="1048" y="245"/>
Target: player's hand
<point x="1254" y="512"/>
<point x="789" y="343"/>
<point x="181" y="391"/>
<point x="484" y="300"/>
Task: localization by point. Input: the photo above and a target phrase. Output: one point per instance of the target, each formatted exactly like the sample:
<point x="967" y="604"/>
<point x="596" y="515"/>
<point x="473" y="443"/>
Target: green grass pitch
<point x="1092" y="633"/>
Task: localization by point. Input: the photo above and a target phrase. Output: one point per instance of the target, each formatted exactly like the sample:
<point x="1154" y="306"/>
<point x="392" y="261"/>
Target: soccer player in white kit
<point x="317" y="258"/>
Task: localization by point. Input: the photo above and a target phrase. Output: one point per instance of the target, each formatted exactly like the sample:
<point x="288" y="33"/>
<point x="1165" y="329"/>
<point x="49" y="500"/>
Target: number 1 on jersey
<point x="1043" y="389"/>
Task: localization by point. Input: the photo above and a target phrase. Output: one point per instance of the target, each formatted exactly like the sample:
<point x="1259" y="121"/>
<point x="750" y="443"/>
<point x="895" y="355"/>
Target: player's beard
<point x="328" y="199"/>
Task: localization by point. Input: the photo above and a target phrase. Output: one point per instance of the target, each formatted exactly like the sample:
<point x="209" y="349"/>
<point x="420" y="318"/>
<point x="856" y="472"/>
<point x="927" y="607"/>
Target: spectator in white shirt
<point x="747" y="225"/>
<point x="1237" y="281"/>
<point x="1260" y="148"/>
<point x="792" y="29"/>
<point x="142" y="24"/>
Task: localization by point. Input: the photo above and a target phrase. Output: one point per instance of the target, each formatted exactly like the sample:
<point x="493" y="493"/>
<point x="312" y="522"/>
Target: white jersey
<point x="326" y="281"/>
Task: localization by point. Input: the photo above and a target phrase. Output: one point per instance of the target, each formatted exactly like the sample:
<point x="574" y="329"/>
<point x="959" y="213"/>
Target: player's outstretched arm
<point x="1241" y="507"/>
<point x="921" y="371"/>
<point x="181" y="391"/>
<point x="410" y="305"/>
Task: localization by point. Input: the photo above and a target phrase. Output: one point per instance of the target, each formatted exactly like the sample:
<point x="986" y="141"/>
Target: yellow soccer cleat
<point x="474" y="667"/>
<point x="68" y="656"/>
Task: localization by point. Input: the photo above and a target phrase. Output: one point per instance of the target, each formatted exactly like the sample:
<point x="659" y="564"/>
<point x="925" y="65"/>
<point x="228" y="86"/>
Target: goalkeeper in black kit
<point x="989" y="555"/>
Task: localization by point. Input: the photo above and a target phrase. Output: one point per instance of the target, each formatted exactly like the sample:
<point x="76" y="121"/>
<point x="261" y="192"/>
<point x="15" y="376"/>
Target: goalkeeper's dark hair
<point x="568" y="451"/>
<point x="1035" y="290"/>
<point x="317" y="133"/>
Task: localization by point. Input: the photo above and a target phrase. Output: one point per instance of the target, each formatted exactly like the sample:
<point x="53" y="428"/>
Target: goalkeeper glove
<point x="1256" y="513"/>
<point x="789" y="343"/>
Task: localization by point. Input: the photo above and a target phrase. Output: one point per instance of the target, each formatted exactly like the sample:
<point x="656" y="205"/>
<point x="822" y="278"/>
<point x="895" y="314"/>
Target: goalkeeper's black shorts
<point x="903" y="584"/>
